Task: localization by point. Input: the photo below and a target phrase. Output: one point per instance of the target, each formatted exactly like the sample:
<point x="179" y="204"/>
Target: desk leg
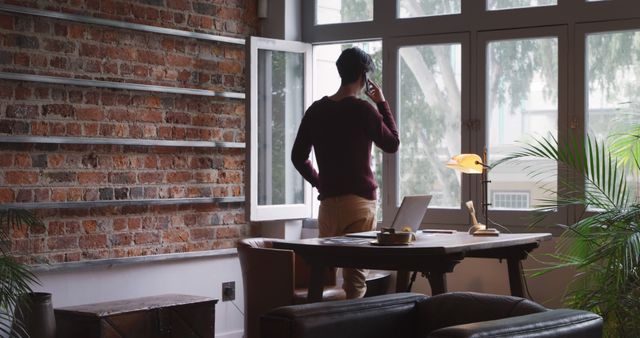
<point x="402" y="280"/>
<point x="437" y="281"/>
<point x="316" y="283"/>
<point x="515" y="277"/>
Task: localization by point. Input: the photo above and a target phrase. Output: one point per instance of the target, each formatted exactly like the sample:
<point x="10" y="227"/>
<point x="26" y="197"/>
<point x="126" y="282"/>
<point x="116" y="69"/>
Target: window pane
<point x="326" y="81"/>
<point x="429" y="121"/>
<point x="510" y="4"/>
<point x="419" y="8"/>
<point x="613" y="93"/>
<point x="342" y="11"/>
<point x="280" y="108"/>
<point x="522" y="90"/>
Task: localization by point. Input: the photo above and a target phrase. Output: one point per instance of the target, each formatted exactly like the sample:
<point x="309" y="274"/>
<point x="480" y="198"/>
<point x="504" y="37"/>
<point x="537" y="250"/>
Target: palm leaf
<point x="604" y="246"/>
<point x="15" y="278"/>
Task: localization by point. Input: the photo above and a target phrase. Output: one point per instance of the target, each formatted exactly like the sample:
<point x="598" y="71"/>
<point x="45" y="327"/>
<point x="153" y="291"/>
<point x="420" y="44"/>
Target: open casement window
<point x="280" y="92"/>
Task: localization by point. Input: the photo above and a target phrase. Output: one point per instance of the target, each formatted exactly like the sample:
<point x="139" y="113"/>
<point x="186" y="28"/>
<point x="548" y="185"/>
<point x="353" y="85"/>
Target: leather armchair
<point x="272" y="278"/>
<point x="408" y="315"/>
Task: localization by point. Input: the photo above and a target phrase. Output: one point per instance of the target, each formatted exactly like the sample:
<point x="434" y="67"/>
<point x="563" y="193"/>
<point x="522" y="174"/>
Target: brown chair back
<point x="274" y="278"/>
<point x="268" y="280"/>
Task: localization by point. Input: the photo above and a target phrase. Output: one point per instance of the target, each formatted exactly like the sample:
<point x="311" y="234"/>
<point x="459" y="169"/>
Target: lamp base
<point x="486" y="232"/>
<point x="477" y="227"/>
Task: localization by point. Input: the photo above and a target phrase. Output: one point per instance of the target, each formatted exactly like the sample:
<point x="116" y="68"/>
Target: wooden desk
<point x="432" y="254"/>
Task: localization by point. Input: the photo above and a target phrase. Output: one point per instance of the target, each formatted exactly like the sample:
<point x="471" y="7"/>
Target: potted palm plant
<point x="15" y="278"/>
<point x="603" y="243"/>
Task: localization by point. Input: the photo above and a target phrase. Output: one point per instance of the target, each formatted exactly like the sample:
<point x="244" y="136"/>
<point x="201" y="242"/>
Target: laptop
<point x="410" y="214"/>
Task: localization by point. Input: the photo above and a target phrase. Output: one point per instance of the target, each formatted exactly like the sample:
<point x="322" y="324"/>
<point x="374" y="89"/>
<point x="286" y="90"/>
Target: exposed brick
<point x="178" y="118"/>
<point x="149" y="115"/>
<point x="123" y="239"/>
<point x="22" y="160"/>
<point x="63" y="110"/>
<point x="92" y="241"/>
<point x="122" y="178"/>
<point x="6" y="21"/>
<point x="6" y="195"/>
<point x="175" y="235"/>
<point x="13" y="127"/>
<point x="62" y="242"/>
<point x="57" y="129"/>
<point x="55" y="160"/>
<point x="198" y="234"/>
<point x="74" y="129"/>
<point x="90" y="114"/>
<point x="90" y="226"/>
<point x="24" y="195"/>
<point x="59" y="46"/>
<point x="60" y="177"/>
<point x="46" y="46"/>
<point x="227" y="232"/>
<point x="121" y="193"/>
<point x="22" y="41"/>
<point x="146" y="238"/>
<point x="106" y="193"/>
<point x="39" y="160"/>
<point x="39" y="128"/>
<point x="21" y="59"/>
<point x="55" y="228"/>
<point x="58" y="194"/>
<point x="178" y="4"/>
<point x="229" y="67"/>
<point x="20" y="177"/>
<point x="176" y="60"/>
<point x="74" y="194"/>
<point x="204" y="8"/>
<point x="92" y="178"/>
<point x="6" y="58"/>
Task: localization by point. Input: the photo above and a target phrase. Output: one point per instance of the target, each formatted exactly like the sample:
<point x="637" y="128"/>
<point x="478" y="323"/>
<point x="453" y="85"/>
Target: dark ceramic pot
<point x="36" y="314"/>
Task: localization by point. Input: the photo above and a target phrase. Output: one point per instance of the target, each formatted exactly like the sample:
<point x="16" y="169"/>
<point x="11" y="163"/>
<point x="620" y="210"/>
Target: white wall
<point x="193" y="276"/>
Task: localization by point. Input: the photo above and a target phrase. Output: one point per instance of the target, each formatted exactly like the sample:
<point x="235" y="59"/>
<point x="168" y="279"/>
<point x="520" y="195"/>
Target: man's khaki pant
<point x="342" y="215"/>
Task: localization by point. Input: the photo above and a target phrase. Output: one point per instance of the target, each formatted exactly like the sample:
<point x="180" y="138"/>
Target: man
<point x="341" y="128"/>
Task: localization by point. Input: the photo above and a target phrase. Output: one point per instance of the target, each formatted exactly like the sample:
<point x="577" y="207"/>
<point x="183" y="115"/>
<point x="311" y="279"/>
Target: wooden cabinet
<point x="165" y="316"/>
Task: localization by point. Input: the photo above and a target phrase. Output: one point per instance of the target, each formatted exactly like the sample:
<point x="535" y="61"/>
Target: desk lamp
<point x="473" y="164"/>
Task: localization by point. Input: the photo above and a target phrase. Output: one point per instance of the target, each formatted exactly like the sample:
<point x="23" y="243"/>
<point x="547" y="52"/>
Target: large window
<point x="613" y="88"/>
<point x="419" y="8"/>
<point x="465" y="75"/>
<point x="521" y="103"/>
<point x="341" y="11"/>
<point x="510" y="4"/>
<point x="429" y="115"/>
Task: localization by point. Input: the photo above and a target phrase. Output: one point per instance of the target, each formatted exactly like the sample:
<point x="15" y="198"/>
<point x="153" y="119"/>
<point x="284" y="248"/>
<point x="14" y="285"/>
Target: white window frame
<point x="283" y="211"/>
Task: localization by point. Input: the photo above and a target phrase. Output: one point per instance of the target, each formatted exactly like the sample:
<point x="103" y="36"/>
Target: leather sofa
<point x="408" y="315"/>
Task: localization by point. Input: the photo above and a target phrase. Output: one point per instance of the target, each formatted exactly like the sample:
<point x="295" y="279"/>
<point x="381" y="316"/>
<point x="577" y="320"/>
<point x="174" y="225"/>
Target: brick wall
<point x="52" y="172"/>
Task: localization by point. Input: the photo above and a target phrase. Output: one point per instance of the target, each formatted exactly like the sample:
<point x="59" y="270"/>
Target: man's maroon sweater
<point x="341" y="133"/>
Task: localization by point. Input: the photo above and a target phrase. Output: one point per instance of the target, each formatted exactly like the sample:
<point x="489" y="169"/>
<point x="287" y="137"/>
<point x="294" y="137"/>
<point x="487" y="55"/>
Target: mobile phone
<point x="367" y="83"/>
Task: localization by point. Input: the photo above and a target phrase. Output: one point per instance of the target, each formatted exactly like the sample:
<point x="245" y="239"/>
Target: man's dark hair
<point x="352" y="63"/>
